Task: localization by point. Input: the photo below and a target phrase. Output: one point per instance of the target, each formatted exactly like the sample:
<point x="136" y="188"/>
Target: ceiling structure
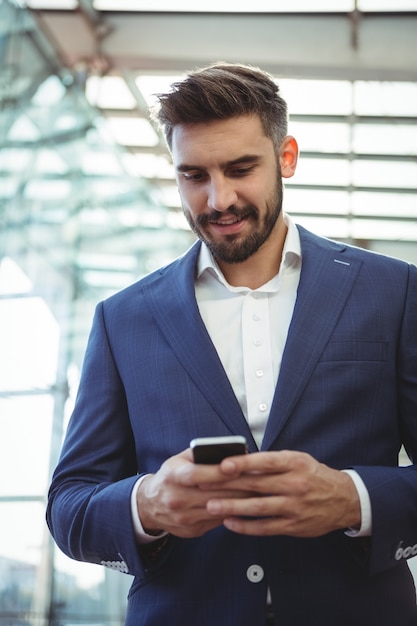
<point x="87" y="188"/>
<point x="351" y="45"/>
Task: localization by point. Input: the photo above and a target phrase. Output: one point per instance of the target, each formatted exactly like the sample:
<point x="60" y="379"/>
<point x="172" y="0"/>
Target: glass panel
<point x="101" y="163"/>
<point x="81" y="593"/>
<point x="23" y="129"/>
<point x="20" y="540"/>
<point x="72" y="578"/>
<point x="390" y="138"/>
<point x="365" y="230"/>
<point x="387" y="5"/>
<point x="132" y="132"/>
<point x="245" y="6"/>
<point x="316" y="137"/>
<point x="13" y="160"/>
<point x="48" y="161"/>
<point x="8" y="188"/>
<point x="407" y="251"/>
<point x="384" y="229"/>
<point x="384" y="174"/>
<point x="317" y="97"/>
<point x="329" y="227"/>
<point x="389" y="99"/>
<point x="316" y="201"/>
<point x="29" y="338"/>
<point x="52" y="4"/>
<point x="48" y="190"/>
<point x="110" y="92"/>
<point x="25" y="426"/>
<point x="12" y="279"/>
<point x="169" y="196"/>
<point x="22" y="559"/>
<point x="49" y="93"/>
<point x="384" y="204"/>
<point x="149" y="166"/>
<point x="150" y="85"/>
<point x="321" y="172"/>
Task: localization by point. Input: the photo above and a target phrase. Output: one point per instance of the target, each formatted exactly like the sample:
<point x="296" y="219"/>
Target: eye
<point x="194" y="177"/>
<point x="242" y="171"/>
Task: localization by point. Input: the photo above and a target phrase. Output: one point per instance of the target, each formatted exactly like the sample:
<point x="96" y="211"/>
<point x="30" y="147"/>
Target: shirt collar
<point x="291" y="255"/>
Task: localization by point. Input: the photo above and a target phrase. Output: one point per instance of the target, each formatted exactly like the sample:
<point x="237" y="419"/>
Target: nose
<point x="221" y="194"/>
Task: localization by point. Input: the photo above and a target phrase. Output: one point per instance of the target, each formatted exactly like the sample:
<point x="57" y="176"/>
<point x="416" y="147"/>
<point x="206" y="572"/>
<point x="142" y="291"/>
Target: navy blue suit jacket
<point x="347" y="394"/>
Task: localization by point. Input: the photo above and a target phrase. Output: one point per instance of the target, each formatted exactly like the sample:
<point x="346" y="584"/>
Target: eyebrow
<point x="246" y="158"/>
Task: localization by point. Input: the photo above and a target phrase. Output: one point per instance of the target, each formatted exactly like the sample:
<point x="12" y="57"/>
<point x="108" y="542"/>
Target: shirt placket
<point x="257" y="361"/>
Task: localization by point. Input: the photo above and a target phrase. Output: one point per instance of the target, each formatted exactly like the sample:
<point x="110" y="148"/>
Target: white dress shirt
<point x="249" y="328"/>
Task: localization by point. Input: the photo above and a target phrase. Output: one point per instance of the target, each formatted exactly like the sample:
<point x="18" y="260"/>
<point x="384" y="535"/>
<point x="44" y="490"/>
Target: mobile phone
<point x="212" y="450"/>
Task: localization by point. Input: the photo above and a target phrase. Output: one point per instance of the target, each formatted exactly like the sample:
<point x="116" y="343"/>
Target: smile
<point x="227" y="222"/>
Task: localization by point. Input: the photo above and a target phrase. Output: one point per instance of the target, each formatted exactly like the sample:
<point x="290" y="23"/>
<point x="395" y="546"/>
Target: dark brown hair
<point x="222" y="91"/>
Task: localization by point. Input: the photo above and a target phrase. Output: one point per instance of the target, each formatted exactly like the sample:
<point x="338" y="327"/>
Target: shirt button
<point x="257" y="342"/>
<point x="256" y="318"/>
<point x="255" y="573"/>
<point x="263" y="407"/>
<point x="259" y="373"/>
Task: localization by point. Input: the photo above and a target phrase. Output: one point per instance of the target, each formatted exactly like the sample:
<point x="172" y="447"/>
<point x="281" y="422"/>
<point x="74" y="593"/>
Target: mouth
<point x="226" y="221"/>
<point x="228" y="224"/>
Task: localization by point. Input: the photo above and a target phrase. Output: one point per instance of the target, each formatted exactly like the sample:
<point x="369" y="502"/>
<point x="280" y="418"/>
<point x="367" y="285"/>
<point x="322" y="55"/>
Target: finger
<point x="260" y="527"/>
<point x="185" y="454"/>
<point x="277" y="461"/>
<point x="275" y="525"/>
<point x="263" y="484"/>
<point x="247" y="507"/>
<point x="191" y="474"/>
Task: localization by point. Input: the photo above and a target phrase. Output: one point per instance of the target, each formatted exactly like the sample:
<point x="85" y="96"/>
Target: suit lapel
<point x="328" y="274"/>
<point x="174" y="307"/>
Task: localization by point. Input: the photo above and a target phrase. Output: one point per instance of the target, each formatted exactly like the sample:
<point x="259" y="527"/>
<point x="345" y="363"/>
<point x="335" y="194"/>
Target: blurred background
<point x="88" y="204"/>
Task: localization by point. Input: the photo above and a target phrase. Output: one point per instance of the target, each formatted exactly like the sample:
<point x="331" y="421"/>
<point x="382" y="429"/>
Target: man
<point x="306" y="346"/>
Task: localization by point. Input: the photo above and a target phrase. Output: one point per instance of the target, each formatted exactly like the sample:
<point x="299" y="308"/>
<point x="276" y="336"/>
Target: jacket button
<point x="255" y="573"/>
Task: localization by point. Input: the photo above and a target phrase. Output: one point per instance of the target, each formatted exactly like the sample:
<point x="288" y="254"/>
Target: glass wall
<point x="75" y="226"/>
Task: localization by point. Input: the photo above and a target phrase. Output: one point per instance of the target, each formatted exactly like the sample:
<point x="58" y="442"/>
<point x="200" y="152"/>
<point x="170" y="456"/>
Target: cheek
<point x="192" y="199"/>
<point x="256" y="194"/>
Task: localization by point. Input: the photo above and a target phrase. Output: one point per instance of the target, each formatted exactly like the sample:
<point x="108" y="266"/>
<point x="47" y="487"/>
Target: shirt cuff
<point x="141" y="535"/>
<point x="365" y="529"/>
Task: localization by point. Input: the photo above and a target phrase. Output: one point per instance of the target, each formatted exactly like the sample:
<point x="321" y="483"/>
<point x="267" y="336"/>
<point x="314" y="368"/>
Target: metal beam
<point x="289" y="45"/>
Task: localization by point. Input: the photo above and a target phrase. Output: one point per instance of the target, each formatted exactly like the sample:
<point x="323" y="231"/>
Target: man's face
<point x="230" y="184"/>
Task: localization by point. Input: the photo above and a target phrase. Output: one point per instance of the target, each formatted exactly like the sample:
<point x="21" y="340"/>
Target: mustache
<point x="214" y="216"/>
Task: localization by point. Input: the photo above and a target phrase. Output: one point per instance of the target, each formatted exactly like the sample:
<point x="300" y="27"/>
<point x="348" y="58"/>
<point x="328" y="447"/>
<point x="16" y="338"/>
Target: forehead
<point x="226" y="139"/>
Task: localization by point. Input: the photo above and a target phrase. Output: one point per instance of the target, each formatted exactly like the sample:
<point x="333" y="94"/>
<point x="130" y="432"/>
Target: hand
<point x="295" y="495"/>
<point x="173" y="501"/>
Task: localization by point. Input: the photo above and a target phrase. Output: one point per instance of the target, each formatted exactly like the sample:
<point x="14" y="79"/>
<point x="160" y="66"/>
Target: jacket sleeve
<point x="88" y="509"/>
<point x="393" y="490"/>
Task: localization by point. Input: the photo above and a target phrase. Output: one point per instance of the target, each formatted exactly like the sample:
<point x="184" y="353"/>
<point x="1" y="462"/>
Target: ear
<point x="288" y="156"/>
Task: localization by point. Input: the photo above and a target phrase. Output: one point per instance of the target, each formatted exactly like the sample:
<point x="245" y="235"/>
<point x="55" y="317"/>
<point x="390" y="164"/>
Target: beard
<point x="234" y="248"/>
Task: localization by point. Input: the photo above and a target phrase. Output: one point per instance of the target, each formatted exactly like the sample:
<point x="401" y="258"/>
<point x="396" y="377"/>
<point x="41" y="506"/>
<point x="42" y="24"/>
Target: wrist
<point x="353" y="516"/>
<point x="364" y="529"/>
<point x="149" y="527"/>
